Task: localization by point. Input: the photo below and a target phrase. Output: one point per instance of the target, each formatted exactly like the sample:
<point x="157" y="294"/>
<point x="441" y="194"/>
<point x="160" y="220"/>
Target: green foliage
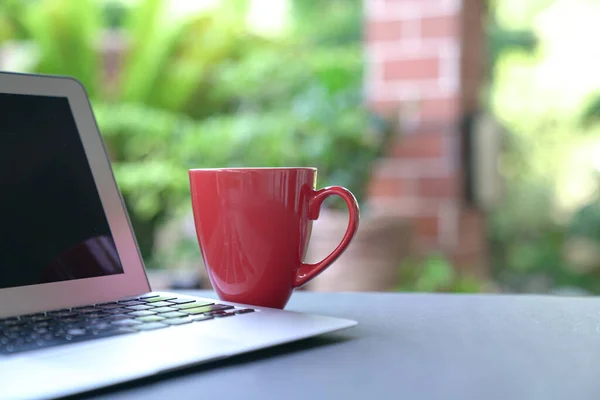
<point x="435" y="274"/>
<point x="503" y="36"/>
<point x="66" y="33"/>
<point x="544" y="234"/>
<point x="200" y="89"/>
<point x="591" y="114"/>
<point x="586" y="221"/>
<point x="11" y="20"/>
<point x="344" y="23"/>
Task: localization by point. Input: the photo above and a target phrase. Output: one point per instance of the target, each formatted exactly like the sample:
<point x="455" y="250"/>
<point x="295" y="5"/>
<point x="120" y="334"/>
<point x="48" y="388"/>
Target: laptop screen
<point x="52" y="223"/>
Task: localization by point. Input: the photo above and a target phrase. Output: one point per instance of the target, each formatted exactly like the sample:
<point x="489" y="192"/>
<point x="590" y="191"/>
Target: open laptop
<point x="76" y="309"/>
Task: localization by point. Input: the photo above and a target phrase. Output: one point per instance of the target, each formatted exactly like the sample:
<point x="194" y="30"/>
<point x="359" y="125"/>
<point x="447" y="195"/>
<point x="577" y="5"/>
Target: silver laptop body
<point x="67" y="248"/>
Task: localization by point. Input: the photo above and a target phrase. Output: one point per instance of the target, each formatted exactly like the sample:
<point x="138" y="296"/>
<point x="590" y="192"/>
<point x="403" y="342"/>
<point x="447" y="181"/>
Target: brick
<point x="426" y="226"/>
<point x="384" y="31"/>
<point x="447" y="108"/>
<point x="412" y="29"/>
<point x="408" y="9"/>
<point x="411" y="69"/>
<point x="472" y="219"/>
<point x="472" y="231"/>
<point x="446" y="26"/>
<point x="389" y="187"/>
<point x="471" y="255"/>
<point x="437" y="187"/>
<point x="421" y="145"/>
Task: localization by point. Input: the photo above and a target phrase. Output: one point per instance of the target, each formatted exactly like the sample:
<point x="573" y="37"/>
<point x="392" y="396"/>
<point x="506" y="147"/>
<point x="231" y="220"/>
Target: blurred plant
<point x="541" y="235"/>
<point x="199" y="89"/>
<point x="344" y="21"/>
<point x="435" y="274"/>
<point x="165" y="63"/>
<point x="313" y="81"/>
<point x="591" y="114"/>
<point x="311" y="111"/>
<point x="581" y="251"/>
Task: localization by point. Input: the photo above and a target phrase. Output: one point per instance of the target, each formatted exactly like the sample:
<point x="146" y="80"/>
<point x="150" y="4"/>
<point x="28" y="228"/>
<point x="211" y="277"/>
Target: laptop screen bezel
<point x="56" y="295"/>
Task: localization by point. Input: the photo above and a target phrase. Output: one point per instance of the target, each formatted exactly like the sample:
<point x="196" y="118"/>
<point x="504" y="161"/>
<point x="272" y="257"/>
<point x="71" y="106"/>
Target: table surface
<point x="411" y="346"/>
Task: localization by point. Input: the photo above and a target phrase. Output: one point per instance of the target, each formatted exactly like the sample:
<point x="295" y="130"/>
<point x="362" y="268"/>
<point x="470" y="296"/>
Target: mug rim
<point x="237" y="169"/>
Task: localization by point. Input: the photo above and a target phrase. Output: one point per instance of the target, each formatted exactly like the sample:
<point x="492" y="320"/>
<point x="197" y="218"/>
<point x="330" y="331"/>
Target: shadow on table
<point x="278" y="351"/>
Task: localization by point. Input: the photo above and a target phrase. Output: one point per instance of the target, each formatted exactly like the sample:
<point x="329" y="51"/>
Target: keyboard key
<point x="68" y="314"/>
<point x="121" y="310"/>
<point x="12" y="329"/>
<point x="244" y="311"/>
<point x="40" y="319"/>
<point x="100" y="327"/>
<point x="14" y="322"/>
<point x="109" y="306"/>
<point x="211" y="314"/>
<point x="139" y="308"/>
<point x="93" y="311"/>
<point x="182" y="301"/>
<point x="30" y="316"/>
<point x="12" y="335"/>
<point x="57" y="312"/>
<point x="201" y="317"/>
<point x="161" y="304"/>
<point x="126" y="322"/>
<point x="194" y="311"/>
<point x="174" y="314"/>
<point x="71" y="320"/>
<point x="149" y="327"/>
<point x="224" y="315"/>
<point x="128" y="298"/>
<point x="214" y="307"/>
<point x="108" y="303"/>
<point x="160" y="298"/>
<point x="119" y="317"/>
<point x="143" y="313"/>
<point x="163" y="309"/>
<point x="92" y="316"/>
<point x="194" y="305"/>
<point x="178" y="321"/>
<point x="150" y="318"/>
<point x="83" y="308"/>
<point x="148" y="296"/>
<point x="129" y="303"/>
<point x="220" y="307"/>
<point x="96" y="334"/>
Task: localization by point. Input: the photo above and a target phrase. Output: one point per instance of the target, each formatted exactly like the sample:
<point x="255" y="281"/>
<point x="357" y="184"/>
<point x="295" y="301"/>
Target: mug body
<point x="253" y="228"/>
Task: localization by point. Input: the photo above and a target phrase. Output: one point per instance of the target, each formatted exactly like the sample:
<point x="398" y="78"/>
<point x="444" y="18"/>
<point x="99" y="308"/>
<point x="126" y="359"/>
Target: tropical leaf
<point x="67" y="34"/>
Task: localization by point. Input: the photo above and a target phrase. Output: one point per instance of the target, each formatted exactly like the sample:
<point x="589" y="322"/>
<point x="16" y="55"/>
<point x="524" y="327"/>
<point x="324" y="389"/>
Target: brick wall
<point x="425" y="66"/>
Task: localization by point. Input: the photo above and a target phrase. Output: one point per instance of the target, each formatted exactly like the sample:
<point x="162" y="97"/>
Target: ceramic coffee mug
<point x="253" y="227"/>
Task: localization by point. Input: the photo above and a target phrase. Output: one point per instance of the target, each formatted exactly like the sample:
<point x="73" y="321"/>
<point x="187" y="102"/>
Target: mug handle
<point x="306" y="272"/>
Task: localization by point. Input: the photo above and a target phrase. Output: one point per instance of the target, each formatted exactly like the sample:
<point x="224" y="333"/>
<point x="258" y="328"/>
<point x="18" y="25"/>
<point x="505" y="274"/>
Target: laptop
<point x="77" y="312"/>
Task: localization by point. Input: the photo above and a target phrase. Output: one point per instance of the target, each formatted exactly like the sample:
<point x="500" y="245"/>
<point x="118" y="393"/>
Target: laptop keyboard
<point x="130" y="316"/>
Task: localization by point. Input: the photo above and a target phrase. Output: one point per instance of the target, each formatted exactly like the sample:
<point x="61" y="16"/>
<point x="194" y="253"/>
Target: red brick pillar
<point x="425" y="64"/>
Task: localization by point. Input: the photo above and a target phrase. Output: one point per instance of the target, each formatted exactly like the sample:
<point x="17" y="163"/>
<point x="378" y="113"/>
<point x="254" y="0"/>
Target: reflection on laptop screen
<point x="52" y="223"/>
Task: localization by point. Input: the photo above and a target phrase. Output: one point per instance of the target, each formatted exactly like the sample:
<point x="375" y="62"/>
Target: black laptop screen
<point x="52" y="223"/>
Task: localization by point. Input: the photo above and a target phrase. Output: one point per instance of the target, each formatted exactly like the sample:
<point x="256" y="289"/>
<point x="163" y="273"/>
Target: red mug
<point x="253" y="226"/>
